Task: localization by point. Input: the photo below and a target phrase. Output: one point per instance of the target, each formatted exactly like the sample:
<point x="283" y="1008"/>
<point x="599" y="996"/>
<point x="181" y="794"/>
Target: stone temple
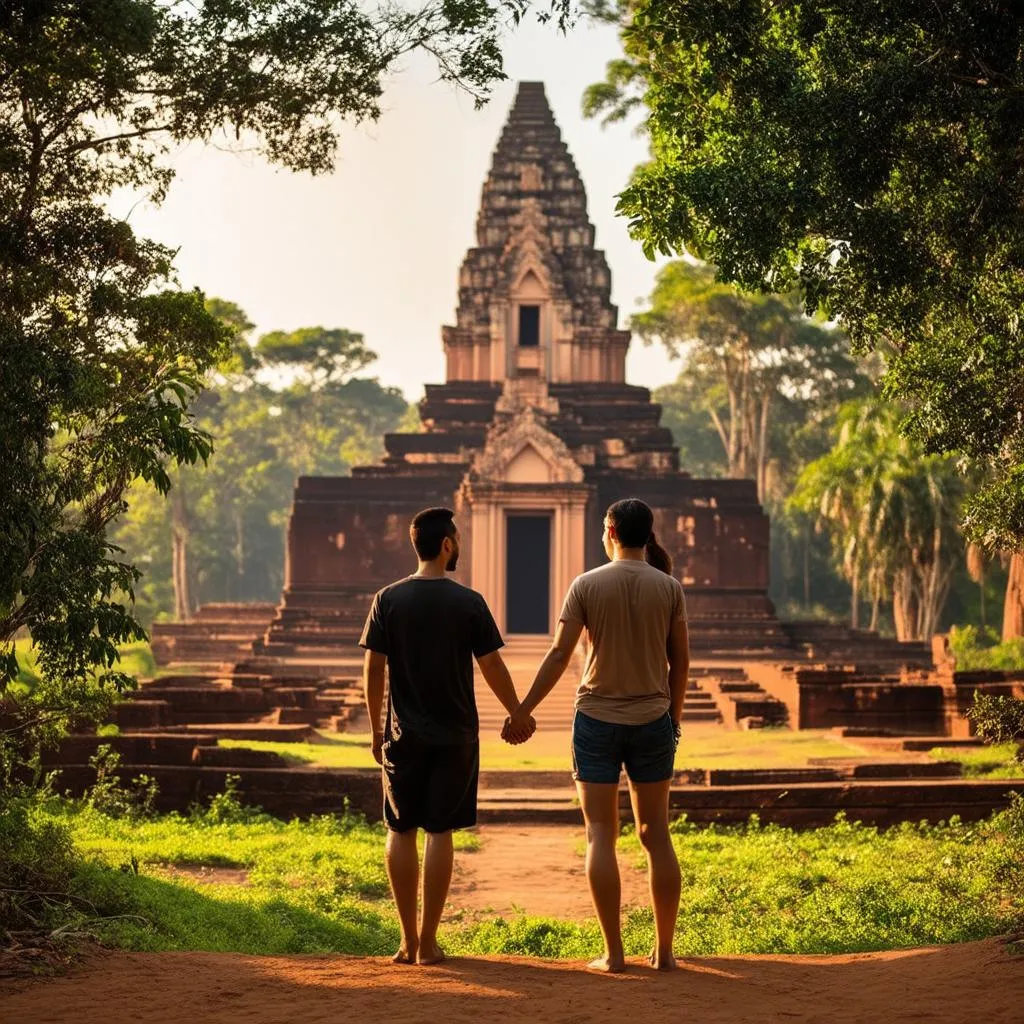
<point x="534" y="433"/>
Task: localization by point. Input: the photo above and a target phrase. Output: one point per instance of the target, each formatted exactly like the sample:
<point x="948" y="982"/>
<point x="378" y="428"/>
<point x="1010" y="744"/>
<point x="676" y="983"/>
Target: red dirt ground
<point x="533" y="869"/>
<point x="979" y="981"/>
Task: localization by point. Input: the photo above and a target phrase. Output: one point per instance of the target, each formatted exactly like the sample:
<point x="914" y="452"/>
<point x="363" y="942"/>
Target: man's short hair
<point x="428" y="531"/>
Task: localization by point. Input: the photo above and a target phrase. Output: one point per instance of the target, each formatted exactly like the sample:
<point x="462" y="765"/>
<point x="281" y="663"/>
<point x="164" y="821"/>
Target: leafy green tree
<point x="756" y="396"/>
<point x="892" y="513"/>
<point x="291" y="412"/>
<point x="701" y="452"/>
<point x="316" y="357"/>
<point x="100" y="354"/>
<point x="867" y="153"/>
<point x="747" y="354"/>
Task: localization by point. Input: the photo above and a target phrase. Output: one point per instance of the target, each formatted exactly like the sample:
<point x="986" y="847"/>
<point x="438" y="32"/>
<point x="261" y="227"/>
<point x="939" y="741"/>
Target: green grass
<point x="841" y="889"/>
<point x="761" y="748"/>
<point x="312" y="886"/>
<point x="136" y="659"/>
<point x="997" y="761"/>
<point x="845" y="887"/>
<point x="318" y="886"/>
<point x="706" y="748"/>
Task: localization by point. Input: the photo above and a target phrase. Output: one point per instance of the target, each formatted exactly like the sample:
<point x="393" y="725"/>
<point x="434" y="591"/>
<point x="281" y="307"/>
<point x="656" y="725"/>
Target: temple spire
<point x="534" y="294"/>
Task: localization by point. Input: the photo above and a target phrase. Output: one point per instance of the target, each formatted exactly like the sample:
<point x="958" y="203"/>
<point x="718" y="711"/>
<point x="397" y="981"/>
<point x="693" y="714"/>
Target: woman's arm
<point x="678" y="667"/>
<point x="555" y="662"/>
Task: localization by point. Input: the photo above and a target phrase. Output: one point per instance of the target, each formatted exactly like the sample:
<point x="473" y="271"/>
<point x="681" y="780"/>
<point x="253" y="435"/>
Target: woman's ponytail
<point x="657" y="556"/>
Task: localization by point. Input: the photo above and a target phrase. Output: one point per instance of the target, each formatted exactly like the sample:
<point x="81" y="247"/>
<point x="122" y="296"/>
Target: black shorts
<point x="428" y="786"/>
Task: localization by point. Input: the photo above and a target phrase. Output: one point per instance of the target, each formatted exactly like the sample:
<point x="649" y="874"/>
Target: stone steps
<point x="304" y="791"/>
<point x="296" y="733"/>
<point x="798" y="804"/>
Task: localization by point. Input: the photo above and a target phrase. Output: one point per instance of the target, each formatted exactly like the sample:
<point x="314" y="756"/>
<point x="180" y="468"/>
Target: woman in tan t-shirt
<point x="628" y="708"/>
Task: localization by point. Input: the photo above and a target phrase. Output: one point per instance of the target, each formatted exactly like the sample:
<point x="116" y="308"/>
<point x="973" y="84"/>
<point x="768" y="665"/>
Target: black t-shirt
<point x="431" y="629"/>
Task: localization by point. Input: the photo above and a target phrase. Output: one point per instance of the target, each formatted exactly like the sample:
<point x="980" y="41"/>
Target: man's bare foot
<point x="403" y="956"/>
<point x="662" y="963"/>
<point x="430" y="953"/>
<point x="607" y="965"/>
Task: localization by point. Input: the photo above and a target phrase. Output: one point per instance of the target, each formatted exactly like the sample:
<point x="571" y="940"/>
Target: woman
<point x="628" y="709"/>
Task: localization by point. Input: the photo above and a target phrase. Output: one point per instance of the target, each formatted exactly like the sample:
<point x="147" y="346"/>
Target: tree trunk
<point x="855" y="597"/>
<point x="239" y="553"/>
<point x="934" y="591"/>
<point x="179" y="554"/>
<point x="933" y="588"/>
<point x="1013" y="607"/>
<point x="807" y="566"/>
<point x="741" y="418"/>
<point x="735" y="415"/>
<point x="976" y="564"/>
<point x="762" y="445"/>
<point x="903" y="611"/>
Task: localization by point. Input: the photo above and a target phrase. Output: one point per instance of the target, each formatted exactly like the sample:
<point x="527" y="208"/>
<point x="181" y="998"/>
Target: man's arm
<point x="678" y="667"/>
<point x="555" y="662"/>
<point x="497" y="677"/>
<point x="373" y="691"/>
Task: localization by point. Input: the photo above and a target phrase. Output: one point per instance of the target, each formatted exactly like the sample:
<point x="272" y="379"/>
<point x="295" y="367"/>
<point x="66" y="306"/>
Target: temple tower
<point x="533" y="435"/>
<point x="534" y="295"/>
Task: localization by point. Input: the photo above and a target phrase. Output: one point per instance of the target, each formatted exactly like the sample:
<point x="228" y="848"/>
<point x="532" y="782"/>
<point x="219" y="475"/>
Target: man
<point x="427" y="629"/>
<point x="628" y="711"/>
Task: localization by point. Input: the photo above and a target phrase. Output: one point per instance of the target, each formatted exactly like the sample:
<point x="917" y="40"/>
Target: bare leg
<point x="437" y="875"/>
<point x="650" y="809"/>
<point x="600" y="802"/>
<point x="403" y="867"/>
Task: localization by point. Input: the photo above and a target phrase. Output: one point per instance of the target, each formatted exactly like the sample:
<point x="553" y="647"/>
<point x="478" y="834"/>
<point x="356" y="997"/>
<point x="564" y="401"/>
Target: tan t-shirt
<point x="627" y="608"/>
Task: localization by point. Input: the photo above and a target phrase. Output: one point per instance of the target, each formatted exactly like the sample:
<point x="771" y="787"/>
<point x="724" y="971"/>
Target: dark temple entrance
<point x="527" y="574"/>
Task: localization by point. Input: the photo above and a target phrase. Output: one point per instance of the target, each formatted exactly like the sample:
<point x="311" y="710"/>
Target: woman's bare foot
<point x="662" y="963"/>
<point x="404" y="955"/>
<point x="430" y="953"/>
<point x="607" y="965"/>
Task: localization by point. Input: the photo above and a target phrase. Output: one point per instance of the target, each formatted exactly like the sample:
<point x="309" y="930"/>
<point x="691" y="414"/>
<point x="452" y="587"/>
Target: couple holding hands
<point x="426" y="629"/>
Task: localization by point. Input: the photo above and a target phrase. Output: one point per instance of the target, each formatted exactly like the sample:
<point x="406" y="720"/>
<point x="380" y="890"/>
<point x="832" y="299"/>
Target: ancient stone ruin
<point x="533" y="434"/>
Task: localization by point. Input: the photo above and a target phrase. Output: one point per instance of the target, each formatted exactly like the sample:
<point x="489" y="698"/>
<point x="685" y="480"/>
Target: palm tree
<point x="892" y="514"/>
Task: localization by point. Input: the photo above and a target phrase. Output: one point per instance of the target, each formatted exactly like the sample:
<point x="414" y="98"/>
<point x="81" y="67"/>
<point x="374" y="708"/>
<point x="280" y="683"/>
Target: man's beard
<point x="452" y="562"/>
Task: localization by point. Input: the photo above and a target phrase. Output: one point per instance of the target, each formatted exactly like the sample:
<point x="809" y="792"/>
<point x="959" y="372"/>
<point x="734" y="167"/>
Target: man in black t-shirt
<point x="426" y="629"/>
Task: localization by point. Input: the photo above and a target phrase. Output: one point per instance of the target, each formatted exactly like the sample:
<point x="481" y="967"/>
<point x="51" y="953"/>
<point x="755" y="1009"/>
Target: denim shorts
<point x="600" y="749"/>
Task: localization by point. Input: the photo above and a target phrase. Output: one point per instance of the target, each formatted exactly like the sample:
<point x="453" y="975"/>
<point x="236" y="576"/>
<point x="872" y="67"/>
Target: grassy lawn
<point x="704" y="748"/>
<point x="994" y="762"/>
<point x="136" y="659"/>
<point x="318" y="886"/>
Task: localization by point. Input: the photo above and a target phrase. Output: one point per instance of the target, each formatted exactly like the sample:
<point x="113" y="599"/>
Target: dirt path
<point x="977" y="981"/>
<point x="535" y="869"/>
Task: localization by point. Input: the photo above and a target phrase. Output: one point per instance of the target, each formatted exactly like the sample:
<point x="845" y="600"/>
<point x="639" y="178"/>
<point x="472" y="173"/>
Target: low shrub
<point x="37" y="865"/>
<point x="226" y="807"/>
<point x="111" y="796"/>
<point x="981" y="649"/>
<point x="998" y="718"/>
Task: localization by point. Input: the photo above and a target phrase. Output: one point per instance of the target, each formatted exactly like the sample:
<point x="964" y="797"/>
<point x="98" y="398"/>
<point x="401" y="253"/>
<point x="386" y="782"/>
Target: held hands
<point x="518" y="728"/>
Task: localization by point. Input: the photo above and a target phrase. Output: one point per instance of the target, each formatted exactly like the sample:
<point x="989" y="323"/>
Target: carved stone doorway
<point x="527" y="573"/>
<point x="523" y="493"/>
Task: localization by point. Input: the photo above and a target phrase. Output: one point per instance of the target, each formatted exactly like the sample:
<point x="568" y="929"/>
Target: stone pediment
<point x="528" y="256"/>
<point x="521" y="450"/>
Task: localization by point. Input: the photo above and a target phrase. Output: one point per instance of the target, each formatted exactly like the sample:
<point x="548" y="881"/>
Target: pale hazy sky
<point x="376" y="245"/>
